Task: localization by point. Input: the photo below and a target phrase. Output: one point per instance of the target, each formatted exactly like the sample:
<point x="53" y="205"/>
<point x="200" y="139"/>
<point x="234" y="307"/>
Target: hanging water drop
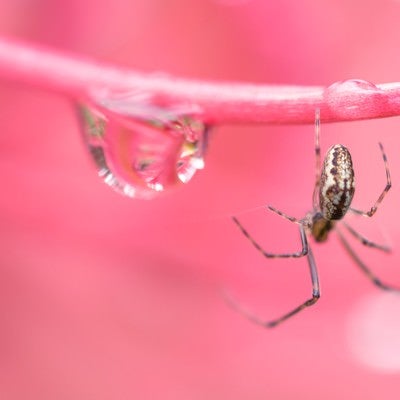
<point x="141" y="149"/>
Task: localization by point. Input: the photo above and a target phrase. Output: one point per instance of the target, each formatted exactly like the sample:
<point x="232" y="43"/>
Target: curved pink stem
<point x="217" y="102"/>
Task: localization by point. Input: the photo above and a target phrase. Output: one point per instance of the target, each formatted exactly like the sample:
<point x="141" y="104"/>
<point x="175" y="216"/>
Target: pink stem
<point x="217" y="102"/>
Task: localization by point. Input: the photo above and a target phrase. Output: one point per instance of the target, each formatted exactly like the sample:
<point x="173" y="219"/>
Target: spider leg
<point x="309" y="302"/>
<point x="282" y="214"/>
<point x="367" y="271"/>
<point x="373" y="209"/>
<point x="317" y="158"/>
<point x="366" y="242"/>
<point x="297" y="254"/>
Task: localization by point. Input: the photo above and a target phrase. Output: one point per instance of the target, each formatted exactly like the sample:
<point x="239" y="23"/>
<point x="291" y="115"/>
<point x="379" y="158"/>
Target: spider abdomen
<point x="337" y="183"/>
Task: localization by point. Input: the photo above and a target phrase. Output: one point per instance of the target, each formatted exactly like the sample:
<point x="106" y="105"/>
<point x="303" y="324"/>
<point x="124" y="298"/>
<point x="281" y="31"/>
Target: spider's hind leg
<point x="373" y="209"/>
<point x="365" y="269"/>
<point x="317" y="149"/>
<point x="364" y="241"/>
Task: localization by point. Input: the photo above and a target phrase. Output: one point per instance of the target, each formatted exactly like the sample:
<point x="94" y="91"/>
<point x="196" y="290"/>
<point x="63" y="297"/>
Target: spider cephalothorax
<point x="320" y="227"/>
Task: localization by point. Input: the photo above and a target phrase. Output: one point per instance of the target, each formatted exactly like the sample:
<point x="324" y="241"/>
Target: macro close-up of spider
<point x="332" y="196"/>
<point x="180" y="179"/>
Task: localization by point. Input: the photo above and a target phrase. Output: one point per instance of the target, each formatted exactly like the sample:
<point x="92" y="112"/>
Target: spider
<point x="332" y="196"/>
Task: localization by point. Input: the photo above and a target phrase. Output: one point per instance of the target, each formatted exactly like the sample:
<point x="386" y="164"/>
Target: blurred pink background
<point x="105" y="297"/>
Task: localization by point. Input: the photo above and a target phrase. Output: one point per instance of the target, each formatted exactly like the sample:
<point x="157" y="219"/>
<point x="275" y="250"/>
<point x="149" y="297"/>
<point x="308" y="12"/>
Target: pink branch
<point x="217" y="102"/>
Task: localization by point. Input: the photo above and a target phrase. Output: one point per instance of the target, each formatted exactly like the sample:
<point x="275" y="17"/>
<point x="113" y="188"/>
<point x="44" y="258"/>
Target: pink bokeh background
<point x="105" y="297"/>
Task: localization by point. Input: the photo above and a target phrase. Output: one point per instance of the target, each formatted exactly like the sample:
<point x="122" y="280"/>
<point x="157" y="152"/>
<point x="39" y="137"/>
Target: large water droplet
<point x="141" y="149"/>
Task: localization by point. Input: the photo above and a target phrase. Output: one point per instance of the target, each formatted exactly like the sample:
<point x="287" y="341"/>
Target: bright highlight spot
<point x="374" y="332"/>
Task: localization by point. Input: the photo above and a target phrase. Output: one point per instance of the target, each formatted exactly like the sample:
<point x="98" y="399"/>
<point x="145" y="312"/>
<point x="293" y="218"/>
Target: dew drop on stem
<point x="141" y="149"/>
<point x="370" y="100"/>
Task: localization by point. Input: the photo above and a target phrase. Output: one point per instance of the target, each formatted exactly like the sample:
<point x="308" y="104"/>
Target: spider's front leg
<point x="297" y="254"/>
<point x="309" y="302"/>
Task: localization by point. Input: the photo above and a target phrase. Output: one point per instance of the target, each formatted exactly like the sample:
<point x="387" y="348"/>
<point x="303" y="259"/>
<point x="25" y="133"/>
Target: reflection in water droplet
<point x="141" y="149"/>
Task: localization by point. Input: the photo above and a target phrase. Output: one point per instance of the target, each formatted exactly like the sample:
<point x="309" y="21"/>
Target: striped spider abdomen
<point x="337" y="183"/>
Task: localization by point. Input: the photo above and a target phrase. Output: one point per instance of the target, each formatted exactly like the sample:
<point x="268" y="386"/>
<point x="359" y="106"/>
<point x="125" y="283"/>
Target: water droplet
<point x="141" y="149"/>
<point x="370" y="99"/>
